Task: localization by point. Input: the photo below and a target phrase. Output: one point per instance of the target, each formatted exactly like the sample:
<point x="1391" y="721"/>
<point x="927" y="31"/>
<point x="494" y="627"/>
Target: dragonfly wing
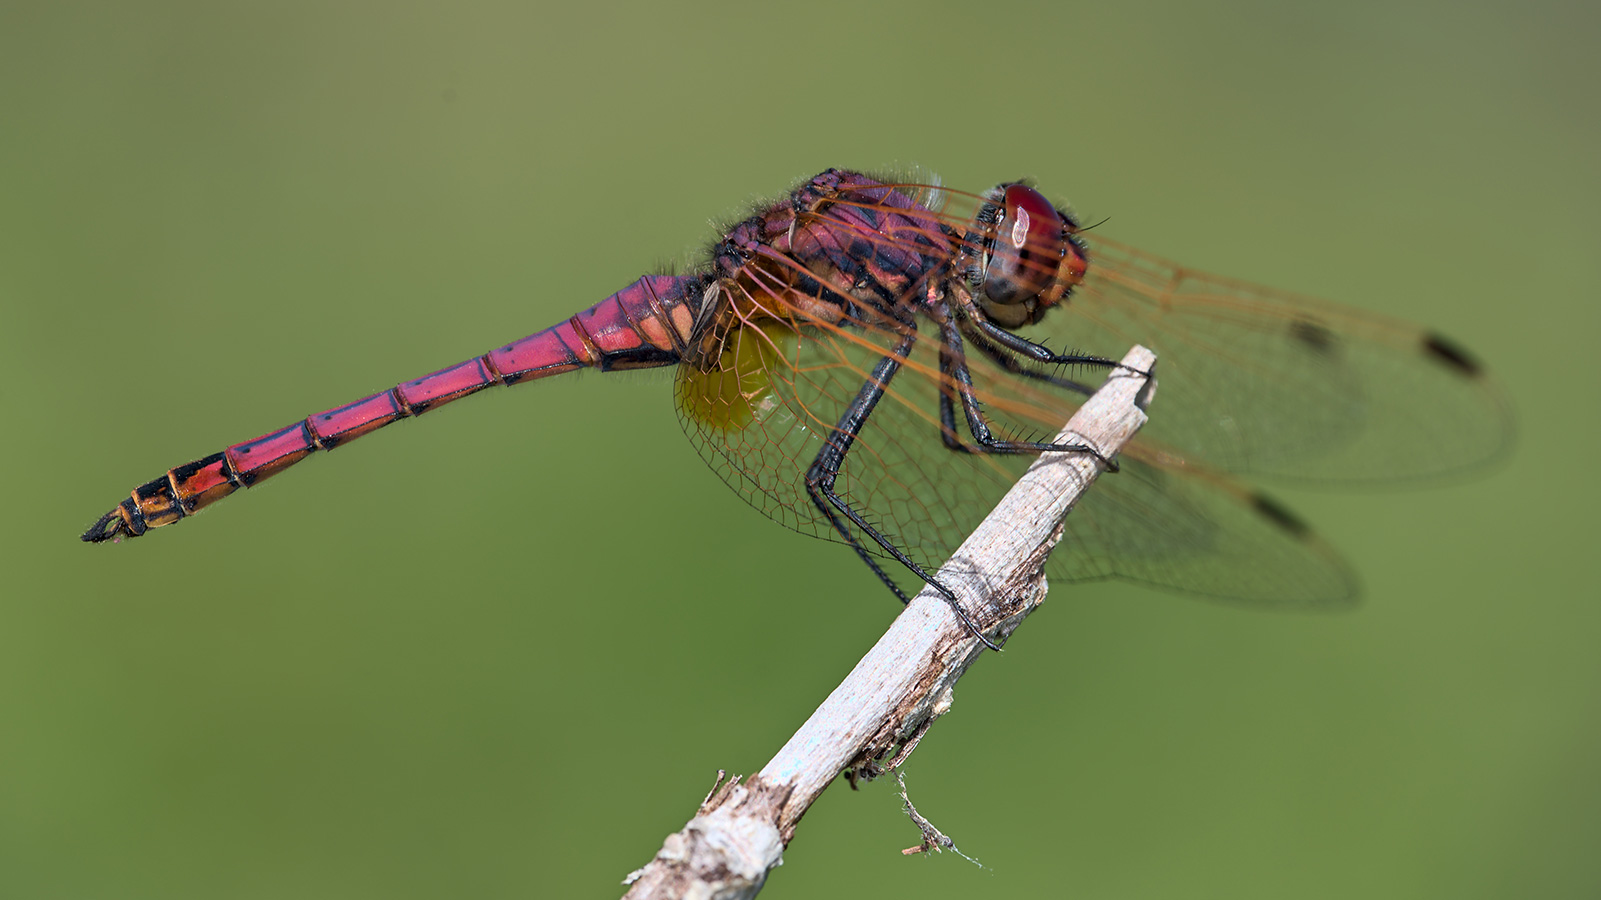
<point x="764" y="413"/>
<point x="1198" y="533"/>
<point x="1265" y="382"/>
<point x="1160" y="521"/>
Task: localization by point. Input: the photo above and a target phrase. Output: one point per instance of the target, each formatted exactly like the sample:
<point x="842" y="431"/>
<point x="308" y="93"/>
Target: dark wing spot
<point x="1315" y="335"/>
<point x="1280" y="516"/>
<point x="1452" y="355"/>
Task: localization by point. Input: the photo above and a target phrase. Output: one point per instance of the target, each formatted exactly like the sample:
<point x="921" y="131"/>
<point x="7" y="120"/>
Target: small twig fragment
<point x="933" y="838"/>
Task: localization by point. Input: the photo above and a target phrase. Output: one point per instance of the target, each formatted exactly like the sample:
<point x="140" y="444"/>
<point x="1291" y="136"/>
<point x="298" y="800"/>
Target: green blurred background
<point x="501" y="651"/>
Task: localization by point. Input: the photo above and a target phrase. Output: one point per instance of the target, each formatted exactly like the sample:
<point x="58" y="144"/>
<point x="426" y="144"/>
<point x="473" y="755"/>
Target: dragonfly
<point x="874" y="361"/>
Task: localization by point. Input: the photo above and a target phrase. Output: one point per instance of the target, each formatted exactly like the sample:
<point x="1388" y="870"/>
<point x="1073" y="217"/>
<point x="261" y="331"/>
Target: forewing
<point x="1260" y="381"/>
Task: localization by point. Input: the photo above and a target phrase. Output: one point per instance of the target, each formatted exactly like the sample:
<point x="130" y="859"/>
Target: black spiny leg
<point x="1036" y="352"/>
<point x="824" y="471"/>
<point x="1010" y="363"/>
<point x="953" y="365"/>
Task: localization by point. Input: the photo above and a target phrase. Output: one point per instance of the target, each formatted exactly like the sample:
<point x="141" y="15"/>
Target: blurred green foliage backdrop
<point x="500" y="651"/>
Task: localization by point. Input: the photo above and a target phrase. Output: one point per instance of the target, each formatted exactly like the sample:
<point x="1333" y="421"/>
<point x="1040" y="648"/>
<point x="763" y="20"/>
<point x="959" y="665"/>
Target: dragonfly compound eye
<point x="1029" y="260"/>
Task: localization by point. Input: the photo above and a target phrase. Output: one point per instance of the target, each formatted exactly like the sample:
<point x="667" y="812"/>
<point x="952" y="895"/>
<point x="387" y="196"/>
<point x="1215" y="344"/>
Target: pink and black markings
<point x="644" y="325"/>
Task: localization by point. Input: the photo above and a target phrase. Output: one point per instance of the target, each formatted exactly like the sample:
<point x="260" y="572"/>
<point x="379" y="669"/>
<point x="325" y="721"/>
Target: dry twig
<point x="890" y="699"/>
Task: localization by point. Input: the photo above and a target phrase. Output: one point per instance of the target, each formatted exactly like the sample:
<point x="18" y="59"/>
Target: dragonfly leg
<point x="953" y="365"/>
<point x="824" y="471"/>
<point x="861" y="551"/>
<point x="949" y="433"/>
<point x="980" y="324"/>
<point x="1010" y="363"/>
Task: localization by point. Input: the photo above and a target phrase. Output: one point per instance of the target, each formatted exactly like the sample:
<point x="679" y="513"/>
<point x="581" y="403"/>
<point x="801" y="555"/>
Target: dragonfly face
<point x="1027" y="259"/>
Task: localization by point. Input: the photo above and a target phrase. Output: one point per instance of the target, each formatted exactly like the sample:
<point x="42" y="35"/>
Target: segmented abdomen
<point x="646" y="324"/>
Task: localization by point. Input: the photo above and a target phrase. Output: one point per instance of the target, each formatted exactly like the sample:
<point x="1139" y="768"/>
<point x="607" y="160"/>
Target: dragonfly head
<point x="1026" y="258"/>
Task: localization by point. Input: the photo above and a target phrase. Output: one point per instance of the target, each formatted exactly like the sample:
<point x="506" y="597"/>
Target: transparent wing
<point x="1156" y="521"/>
<point x="1266" y="382"/>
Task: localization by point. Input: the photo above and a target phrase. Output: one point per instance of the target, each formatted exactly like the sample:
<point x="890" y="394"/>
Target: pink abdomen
<point x="644" y="325"/>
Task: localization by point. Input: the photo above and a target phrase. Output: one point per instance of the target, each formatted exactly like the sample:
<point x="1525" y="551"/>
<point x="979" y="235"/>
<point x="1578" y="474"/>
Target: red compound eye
<point x="1027" y="248"/>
